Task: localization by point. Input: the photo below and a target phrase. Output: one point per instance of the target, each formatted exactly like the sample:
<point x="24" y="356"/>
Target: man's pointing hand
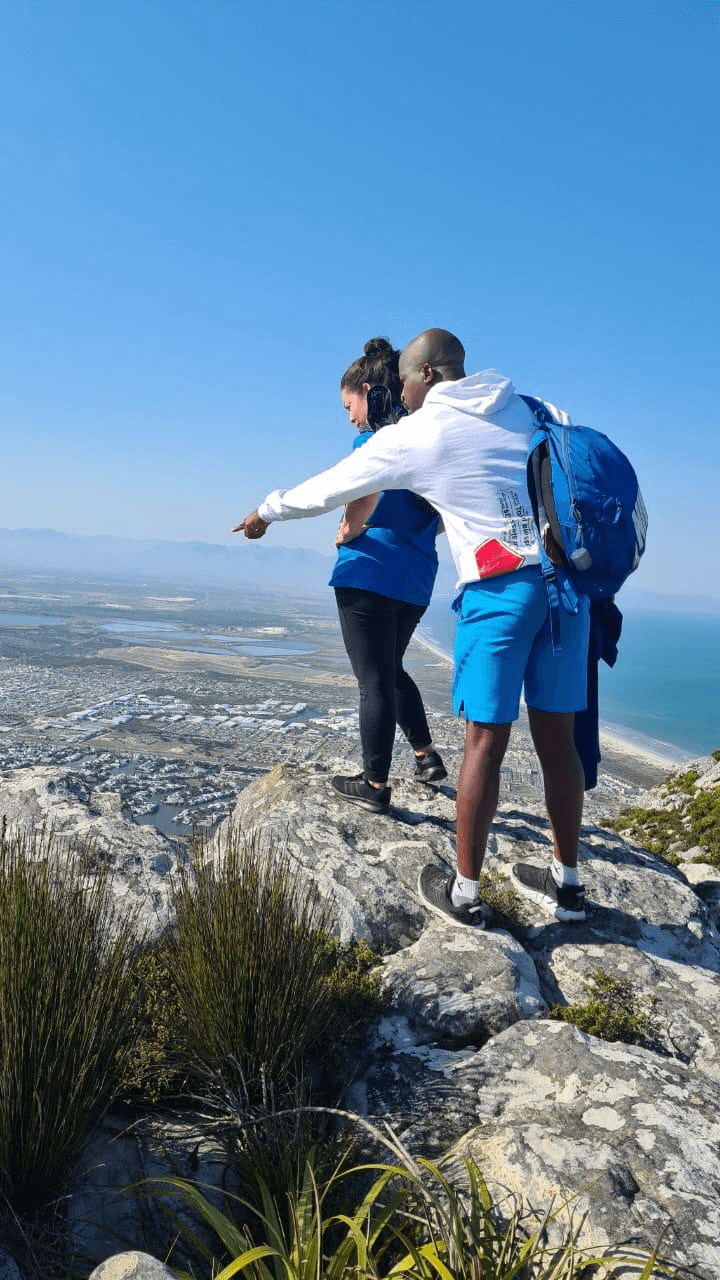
<point x="252" y="526"/>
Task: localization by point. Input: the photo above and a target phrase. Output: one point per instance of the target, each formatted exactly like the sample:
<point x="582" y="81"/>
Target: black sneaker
<point x="430" y="768"/>
<point x="435" y="889"/>
<point x="539" y="884"/>
<point x="357" y="790"/>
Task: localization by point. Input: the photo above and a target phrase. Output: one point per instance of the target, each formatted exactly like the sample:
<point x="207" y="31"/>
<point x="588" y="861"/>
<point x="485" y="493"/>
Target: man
<point x="464" y="448"/>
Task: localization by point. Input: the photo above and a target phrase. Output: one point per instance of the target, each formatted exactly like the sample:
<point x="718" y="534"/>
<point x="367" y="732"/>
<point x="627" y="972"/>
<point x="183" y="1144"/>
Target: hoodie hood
<point x="481" y="394"/>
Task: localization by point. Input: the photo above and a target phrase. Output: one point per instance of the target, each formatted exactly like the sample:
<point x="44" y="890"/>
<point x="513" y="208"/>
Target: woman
<point x="383" y="580"/>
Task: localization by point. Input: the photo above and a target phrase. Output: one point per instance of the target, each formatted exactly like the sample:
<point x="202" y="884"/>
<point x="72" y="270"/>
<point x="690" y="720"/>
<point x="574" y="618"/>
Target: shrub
<point x="704" y="814"/>
<point x="159" y="1065"/>
<point x="504" y="902"/>
<point x="260" y="982"/>
<point x="670" y="832"/>
<point x="656" y="829"/>
<point x="611" y="1012"/>
<point x="683" y="781"/>
<point x="352" y="981"/>
<point x="66" y="994"/>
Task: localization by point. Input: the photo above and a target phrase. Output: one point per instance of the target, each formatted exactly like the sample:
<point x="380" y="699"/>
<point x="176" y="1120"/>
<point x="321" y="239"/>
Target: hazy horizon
<point x="28" y="550"/>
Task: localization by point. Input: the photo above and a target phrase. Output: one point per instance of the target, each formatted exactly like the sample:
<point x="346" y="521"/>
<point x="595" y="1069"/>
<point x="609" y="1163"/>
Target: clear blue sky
<point x="209" y="206"/>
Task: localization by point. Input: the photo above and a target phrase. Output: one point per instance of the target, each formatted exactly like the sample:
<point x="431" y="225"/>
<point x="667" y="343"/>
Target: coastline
<point x="623" y="753"/>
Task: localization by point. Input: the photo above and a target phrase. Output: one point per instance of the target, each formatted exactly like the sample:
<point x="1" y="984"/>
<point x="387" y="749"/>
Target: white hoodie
<point x="465" y="451"/>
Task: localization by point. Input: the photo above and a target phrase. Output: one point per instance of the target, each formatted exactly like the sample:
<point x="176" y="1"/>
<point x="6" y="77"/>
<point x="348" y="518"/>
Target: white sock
<point x="464" y="891"/>
<point x="563" y="875"/>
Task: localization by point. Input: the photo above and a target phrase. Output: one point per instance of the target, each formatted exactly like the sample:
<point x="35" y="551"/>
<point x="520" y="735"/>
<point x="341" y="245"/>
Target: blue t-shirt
<point x="396" y="556"/>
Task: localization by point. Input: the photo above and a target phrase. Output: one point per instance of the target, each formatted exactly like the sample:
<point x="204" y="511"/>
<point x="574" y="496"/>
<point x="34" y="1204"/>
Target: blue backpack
<point x="585" y="494"/>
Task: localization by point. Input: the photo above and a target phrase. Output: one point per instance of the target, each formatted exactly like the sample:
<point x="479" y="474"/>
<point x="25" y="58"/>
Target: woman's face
<point x="356" y="404"/>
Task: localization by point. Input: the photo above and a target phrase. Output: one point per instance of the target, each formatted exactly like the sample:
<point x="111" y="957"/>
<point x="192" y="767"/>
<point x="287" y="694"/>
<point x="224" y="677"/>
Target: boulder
<point x="8" y="1269"/>
<point x="632" y="1136"/>
<point x="364" y="866"/>
<point x="114" y="1198"/>
<point x="132" y="1266"/>
<point x="462" y="986"/>
<point x="57" y="801"/>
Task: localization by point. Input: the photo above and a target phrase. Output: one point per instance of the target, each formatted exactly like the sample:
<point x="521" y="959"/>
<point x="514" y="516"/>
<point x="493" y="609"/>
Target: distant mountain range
<point x="634" y="599"/>
<point x="27" y="551"/>
<point x="278" y="568"/>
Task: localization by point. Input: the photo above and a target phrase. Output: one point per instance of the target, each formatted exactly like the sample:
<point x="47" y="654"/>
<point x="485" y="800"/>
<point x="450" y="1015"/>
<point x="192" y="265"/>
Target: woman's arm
<point x="355" y="520"/>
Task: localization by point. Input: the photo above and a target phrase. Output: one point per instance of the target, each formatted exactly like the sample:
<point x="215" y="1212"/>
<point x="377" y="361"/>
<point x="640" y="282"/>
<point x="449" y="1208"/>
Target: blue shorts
<point x="503" y="641"/>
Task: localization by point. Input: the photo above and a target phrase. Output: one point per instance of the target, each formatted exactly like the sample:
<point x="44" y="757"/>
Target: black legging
<point x="377" y="631"/>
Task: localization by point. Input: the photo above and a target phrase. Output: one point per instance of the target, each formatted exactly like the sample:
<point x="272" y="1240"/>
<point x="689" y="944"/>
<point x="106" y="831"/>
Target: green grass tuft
<point x="66" y="992"/>
<point x="704" y="813"/>
<point x="265" y="994"/>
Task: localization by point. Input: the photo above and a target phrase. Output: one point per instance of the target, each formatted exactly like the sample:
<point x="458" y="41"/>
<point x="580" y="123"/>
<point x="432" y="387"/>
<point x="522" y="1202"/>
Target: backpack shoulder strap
<point x="557" y="580"/>
<point x="538" y="410"/>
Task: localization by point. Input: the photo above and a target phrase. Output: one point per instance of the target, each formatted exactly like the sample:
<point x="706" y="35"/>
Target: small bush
<point x="504" y="902"/>
<point x="659" y="831"/>
<point x="159" y="1065"/>
<point x="704" y="813"/>
<point x="672" y="832"/>
<point x="683" y="781"/>
<point x="716" y="754"/>
<point x="352" y="981"/>
<point x="260" y="982"/>
<point x="611" y="1012"/>
<point x="66" y="993"/>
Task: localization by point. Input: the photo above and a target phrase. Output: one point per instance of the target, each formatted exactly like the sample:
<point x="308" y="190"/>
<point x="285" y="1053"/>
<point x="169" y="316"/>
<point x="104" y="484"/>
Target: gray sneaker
<point x="435" y="889"/>
<point x="539" y="884"/>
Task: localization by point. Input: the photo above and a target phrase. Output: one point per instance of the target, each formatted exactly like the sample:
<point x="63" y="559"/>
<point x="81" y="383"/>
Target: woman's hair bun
<point x="377" y="367"/>
<point x="378" y="347"/>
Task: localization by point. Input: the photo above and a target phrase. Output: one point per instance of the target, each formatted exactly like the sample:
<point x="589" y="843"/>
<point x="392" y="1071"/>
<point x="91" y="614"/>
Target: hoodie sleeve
<point x="378" y="465"/>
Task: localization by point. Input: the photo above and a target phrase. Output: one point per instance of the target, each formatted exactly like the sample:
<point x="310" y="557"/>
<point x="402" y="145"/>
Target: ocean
<point x="663" y="694"/>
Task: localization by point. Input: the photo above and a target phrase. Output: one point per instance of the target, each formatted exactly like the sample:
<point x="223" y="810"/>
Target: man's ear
<point x="429" y="375"/>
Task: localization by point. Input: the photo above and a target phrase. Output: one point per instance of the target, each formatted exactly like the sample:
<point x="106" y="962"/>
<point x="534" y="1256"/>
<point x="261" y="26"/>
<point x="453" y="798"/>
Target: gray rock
<point x="628" y="1138"/>
<point x="462" y="985"/>
<point x="633" y="898"/>
<point x="364" y="865"/>
<point x="8" y="1269"/>
<point x="132" y="1266"/>
<point x="142" y="860"/>
<point x="540" y="1106"/>
<point x="709" y="777"/>
<point x="107" y="803"/>
<point x="707" y="887"/>
<point x="414" y="1088"/>
<point x="636" y="1135"/>
<point x="697" y="872"/>
<point x="104" y="1212"/>
<point x="682" y="1000"/>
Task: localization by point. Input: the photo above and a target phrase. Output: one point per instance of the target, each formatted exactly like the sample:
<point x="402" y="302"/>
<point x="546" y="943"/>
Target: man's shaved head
<point x="435" y="355"/>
